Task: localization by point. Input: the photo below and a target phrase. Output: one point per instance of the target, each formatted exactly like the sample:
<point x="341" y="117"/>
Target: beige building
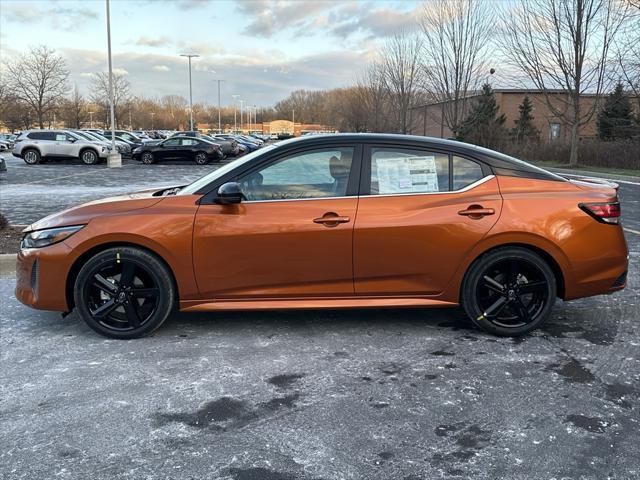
<point x="428" y="119"/>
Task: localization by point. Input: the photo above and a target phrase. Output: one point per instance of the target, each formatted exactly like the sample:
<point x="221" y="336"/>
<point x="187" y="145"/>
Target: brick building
<point x="427" y="119"/>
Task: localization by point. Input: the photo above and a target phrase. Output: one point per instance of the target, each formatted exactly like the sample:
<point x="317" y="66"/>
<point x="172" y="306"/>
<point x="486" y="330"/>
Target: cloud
<point x="267" y="18"/>
<point x="340" y="19"/>
<point x="161" y="68"/>
<point x="153" y="42"/>
<point x="261" y="80"/>
<point x="59" y="16"/>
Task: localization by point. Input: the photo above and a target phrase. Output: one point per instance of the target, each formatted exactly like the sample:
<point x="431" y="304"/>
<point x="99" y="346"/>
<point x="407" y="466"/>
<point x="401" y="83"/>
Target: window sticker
<point x="407" y="174"/>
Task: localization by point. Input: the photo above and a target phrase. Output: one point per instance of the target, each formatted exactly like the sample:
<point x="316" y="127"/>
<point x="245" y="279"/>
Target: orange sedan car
<point x="335" y="221"/>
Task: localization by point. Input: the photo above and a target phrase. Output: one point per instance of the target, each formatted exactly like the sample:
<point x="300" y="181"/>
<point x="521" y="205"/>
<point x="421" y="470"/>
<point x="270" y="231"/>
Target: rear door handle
<point x="476" y="211"/>
<point x="331" y="219"/>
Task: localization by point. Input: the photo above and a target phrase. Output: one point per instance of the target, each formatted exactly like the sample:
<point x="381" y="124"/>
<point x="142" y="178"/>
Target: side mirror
<point x="230" y="193"/>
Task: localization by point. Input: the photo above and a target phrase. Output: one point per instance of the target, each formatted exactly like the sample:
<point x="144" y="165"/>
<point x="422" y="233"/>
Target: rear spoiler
<point x="591" y="181"/>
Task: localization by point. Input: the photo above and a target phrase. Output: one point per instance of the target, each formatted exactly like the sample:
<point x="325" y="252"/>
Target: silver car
<point x="34" y="146"/>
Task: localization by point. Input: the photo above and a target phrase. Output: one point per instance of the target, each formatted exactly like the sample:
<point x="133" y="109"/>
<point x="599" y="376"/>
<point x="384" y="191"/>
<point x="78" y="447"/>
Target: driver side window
<point x="174" y="142"/>
<point x="319" y="173"/>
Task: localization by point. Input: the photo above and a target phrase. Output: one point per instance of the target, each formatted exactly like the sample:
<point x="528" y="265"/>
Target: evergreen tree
<point x="483" y="126"/>
<point x="524" y="130"/>
<point x="615" y="120"/>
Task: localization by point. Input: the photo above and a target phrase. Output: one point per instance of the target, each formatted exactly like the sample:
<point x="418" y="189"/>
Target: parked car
<point x="273" y="136"/>
<point x="248" y="146"/>
<point x="34" y="146"/>
<point x="198" y="150"/>
<point x="122" y="146"/>
<point x="335" y="221"/>
<point x="228" y="147"/>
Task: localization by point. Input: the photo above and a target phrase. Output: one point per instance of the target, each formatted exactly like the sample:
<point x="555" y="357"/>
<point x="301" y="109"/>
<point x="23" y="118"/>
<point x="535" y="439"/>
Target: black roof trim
<point x="494" y="159"/>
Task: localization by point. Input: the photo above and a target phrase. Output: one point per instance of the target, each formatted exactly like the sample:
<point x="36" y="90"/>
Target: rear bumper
<point x="602" y="265"/>
<point x="41" y="277"/>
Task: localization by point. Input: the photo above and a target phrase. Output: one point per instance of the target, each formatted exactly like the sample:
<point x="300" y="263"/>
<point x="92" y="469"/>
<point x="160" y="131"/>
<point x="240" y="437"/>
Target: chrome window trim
<point x="465" y="189"/>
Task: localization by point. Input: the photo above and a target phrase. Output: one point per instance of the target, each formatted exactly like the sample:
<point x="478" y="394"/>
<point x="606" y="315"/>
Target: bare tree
<point x="100" y="94"/>
<point x="566" y="45"/>
<point x="74" y="109"/>
<point x="456" y="34"/>
<point x="401" y="74"/>
<point x="39" y="79"/>
<point x="375" y="97"/>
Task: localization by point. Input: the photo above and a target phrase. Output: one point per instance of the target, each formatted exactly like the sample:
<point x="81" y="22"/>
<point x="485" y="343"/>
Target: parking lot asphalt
<point x="363" y="394"/>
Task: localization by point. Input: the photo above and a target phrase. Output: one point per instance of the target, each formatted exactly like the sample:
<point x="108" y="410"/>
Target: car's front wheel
<point x="509" y="291"/>
<point x="124" y="292"/>
<point x="89" y="157"/>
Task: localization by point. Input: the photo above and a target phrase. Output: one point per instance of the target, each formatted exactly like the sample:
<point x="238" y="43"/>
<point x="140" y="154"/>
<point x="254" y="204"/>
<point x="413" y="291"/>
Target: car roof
<point x="495" y="159"/>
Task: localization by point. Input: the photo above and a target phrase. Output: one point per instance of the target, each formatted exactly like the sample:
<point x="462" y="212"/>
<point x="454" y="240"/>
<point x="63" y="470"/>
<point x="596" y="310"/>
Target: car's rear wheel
<point x="509" y="291"/>
<point x="147" y="158"/>
<point x="124" y="292"/>
<point x="31" y="157"/>
<point x="201" y="158"/>
<point x="89" y="157"/>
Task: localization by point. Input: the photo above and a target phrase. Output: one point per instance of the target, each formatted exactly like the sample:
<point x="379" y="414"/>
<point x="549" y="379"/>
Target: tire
<point x="201" y="158"/>
<point x="31" y="157"/>
<point x="147" y="158"/>
<point x="509" y="291"/>
<point x="89" y="157"/>
<point x="124" y="308"/>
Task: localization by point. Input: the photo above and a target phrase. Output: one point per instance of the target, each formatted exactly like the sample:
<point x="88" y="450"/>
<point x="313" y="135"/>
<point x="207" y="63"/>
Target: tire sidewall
<point x="36" y="153"/>
<point x="478" y="268"/>
<point x="92" y="152"/>
<point x="156" y="268"/>
<point x="201" y="158"/>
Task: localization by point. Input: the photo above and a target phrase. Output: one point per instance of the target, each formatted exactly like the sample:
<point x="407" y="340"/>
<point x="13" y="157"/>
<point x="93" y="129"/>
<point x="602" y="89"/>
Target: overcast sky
<point x="262" y="49"/>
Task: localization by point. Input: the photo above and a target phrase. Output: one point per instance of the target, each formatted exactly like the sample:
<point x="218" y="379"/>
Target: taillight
<point x="603" y="212"/>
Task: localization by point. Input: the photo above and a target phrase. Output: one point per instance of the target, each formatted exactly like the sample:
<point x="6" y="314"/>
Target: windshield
<point x="203" y="181"/>
<point x="83" y="135"/>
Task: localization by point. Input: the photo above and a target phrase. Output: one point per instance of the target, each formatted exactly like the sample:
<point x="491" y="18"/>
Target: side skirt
<point x="311" y="303"/>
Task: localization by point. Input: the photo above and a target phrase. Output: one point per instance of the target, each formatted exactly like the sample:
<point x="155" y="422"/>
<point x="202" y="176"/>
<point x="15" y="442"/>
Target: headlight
<point x="44" y="238"/>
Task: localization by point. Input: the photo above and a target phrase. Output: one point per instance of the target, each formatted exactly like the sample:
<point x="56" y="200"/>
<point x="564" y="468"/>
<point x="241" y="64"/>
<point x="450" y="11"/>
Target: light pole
<point x="190" y="56"/>
<point x="241" y="105"/>
<point x="91" y="118"/>
<point x="219" y="122"/>
<point x="235" y="121"/>
<point x="114" y="159"/>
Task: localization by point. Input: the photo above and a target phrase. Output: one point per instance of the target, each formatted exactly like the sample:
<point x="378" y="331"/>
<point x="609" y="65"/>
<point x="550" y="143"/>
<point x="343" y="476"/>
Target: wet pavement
<point x="365" y="394"/>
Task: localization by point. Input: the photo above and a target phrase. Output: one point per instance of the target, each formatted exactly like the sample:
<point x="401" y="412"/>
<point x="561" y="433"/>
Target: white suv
<point x="34" y="146"/>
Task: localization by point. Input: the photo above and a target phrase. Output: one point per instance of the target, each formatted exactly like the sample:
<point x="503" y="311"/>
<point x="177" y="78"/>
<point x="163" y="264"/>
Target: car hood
<point x="83" y="213"/>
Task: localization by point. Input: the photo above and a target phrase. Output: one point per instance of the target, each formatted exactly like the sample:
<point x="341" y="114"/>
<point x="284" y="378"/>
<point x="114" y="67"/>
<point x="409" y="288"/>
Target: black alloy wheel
<point x="124" y="292"/>
<point x="147" y="158"/>
<point x="509" y="291"/>
<point x="201" y="158"/>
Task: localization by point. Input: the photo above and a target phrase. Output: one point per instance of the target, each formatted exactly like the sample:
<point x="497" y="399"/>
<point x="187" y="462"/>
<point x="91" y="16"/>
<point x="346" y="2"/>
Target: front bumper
<point x="41" y="275"/>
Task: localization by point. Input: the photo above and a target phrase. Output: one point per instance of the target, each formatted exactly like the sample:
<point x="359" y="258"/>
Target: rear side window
<point x="465" y="172"/>
<point x="188" y="142"/>
<point x="42" y="136"/>
<point x="407" y="171"/>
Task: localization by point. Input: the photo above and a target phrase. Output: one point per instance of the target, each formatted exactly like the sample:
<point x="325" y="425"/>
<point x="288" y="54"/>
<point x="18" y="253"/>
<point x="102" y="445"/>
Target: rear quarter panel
<point x="545" y="214"/>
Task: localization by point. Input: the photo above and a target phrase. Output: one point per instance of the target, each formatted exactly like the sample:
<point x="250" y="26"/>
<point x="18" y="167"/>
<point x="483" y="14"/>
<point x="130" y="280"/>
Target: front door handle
<point x="331" y="219"/>
<point x="476" y="212"/>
